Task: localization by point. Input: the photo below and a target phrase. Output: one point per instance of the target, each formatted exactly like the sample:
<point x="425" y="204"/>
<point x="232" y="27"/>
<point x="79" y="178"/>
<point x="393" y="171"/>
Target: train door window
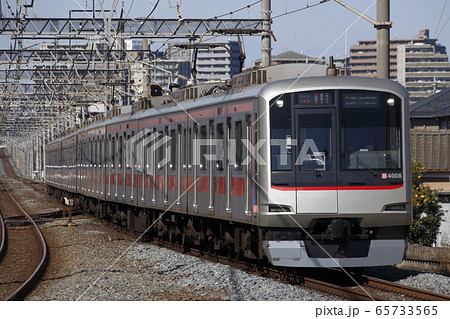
<point x="203" y="147"/>
<point x="113" y="152"/>
<point x="132" y="151"/>
<point x="120" y="152"/>
<point x="190" y="149"/>
<point x="239" y="146"/>
<point x="92" y="153"/>
<point x="173" y="151"/>
<point x="107" y="151"/>
<point x="149" y="150"/>
<point x="128" y="152"/>
<point x="160" y="151"/>
<point x="220" y="147"/>
<point x="97" y="153"/>
<point x="315" y="135"/>
<point x="145" y="158"/>
<point x="183" y="150"/>
<point x="179" y="145"/>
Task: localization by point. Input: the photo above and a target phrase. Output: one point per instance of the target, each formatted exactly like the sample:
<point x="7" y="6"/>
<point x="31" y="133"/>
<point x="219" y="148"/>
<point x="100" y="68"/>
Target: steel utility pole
<point x="382" y="25"/>
<point x="266" y="45"/>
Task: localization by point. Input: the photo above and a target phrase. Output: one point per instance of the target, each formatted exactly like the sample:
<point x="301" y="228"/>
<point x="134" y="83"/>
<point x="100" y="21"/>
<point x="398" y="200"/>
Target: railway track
<point x="24" y="253"/>
<point x="414" y="293"/>
<point x="367" y="289"/>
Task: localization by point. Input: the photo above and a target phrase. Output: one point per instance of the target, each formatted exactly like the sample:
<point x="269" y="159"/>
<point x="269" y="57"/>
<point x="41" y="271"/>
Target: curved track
<point x="23" y="252"/>
<point x="3" y="234"/>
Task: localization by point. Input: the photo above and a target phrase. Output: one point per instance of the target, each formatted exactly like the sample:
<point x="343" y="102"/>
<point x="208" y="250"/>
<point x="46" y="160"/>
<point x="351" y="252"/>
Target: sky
<point x="323" y="30"/>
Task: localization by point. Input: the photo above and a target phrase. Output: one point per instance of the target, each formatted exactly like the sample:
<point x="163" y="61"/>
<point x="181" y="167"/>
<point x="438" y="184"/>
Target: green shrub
<point x="427" y="212"/>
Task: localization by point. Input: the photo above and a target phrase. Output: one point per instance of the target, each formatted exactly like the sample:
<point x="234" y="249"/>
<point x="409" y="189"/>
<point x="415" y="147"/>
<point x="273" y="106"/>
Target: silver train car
<point x="301" y="171"/>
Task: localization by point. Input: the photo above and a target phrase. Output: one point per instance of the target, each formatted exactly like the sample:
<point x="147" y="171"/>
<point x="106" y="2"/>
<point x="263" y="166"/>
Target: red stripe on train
<point x="337" y="188"/>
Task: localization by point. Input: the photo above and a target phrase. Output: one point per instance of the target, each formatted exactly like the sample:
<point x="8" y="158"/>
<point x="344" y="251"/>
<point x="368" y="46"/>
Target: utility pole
<point x="266" y="45"/>
<point x="383" y="34"/>
<point x="146" y="58"/>
<point x="382" y="25"/>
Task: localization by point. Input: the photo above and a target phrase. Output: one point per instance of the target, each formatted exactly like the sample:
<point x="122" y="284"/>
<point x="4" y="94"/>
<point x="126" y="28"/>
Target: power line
<point x="443" y="27"/>
<point x="439" y="21"/>
<point x="237" y="10"/>
<point x="300" y="9"/>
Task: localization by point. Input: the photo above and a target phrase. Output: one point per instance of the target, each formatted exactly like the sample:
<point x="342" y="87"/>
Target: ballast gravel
<point x="93" y="261"/>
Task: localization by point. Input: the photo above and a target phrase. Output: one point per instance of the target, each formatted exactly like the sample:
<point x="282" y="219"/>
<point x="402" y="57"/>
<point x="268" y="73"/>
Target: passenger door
<point x="315" y="160"/>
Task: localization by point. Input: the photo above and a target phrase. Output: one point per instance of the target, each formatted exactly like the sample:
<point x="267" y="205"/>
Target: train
<point x="280" y="164"/>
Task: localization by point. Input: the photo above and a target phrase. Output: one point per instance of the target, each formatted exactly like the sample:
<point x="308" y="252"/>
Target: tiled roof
<point x="436" y="105"/>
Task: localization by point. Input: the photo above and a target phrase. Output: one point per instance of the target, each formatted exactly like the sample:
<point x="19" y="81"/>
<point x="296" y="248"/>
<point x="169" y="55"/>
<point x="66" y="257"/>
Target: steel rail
<point x="410" y="291"/>
<point x="340" y="290"/>
<point x="270" y="271"/>
<point x="3" y="242"/>
<point x="32" y="281"/>
<point x="312" y="283"/>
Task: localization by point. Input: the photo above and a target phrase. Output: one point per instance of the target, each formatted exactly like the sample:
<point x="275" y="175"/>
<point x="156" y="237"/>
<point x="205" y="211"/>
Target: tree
<point x="427" y="212"/>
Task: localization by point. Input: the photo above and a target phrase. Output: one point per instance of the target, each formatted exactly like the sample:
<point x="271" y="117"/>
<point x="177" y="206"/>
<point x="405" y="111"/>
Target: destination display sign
<point x="358" y="100"/>
<point x="314" y="98"/>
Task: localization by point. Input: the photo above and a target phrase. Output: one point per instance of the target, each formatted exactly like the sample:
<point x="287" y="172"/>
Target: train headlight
<point x="391" y="102"/>
<point x="280" y="103"/>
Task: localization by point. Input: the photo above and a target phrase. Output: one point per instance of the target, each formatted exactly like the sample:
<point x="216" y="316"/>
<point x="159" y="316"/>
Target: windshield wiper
<point x="366" y="166"/>
<point x="362" y="162"/>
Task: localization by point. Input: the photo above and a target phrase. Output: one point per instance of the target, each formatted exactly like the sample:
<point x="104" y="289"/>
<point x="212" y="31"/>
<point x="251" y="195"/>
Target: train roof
<point x="266" y="83"/>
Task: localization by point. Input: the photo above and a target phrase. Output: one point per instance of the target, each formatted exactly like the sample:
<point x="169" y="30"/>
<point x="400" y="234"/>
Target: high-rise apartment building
<point x="363" y="57"/>
<point x="219" y="62"/>
<point x="423" y="69"/>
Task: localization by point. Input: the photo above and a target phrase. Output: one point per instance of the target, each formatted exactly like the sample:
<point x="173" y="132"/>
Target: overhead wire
<point x="443" y="27"/>
<point x="308" y="6"/>
<point x="440" y="17"/>
<point x="214" y="18"/>
<point x="147" y="73"/>
<point x="237" y="10"/>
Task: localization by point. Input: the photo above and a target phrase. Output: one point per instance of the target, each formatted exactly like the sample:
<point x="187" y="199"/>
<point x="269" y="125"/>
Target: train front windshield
<point x="370" y="131"/>
<point x="336" y="138"/>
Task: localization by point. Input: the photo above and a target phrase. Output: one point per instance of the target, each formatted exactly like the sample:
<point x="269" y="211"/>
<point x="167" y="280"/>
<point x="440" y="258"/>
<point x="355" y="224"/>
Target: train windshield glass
<point x="370" y="130"/>
<point x="281" y="133"/>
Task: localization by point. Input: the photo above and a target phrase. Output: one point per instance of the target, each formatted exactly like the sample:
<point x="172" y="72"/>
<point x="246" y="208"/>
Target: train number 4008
<point x="391" y="175"/>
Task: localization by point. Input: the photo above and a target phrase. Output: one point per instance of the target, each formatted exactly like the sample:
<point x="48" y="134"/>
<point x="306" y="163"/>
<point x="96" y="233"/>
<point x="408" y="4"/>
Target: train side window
<point x="203" y="148"/>
<point x="220" y="149"/>
<point x="239" y="145"/>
